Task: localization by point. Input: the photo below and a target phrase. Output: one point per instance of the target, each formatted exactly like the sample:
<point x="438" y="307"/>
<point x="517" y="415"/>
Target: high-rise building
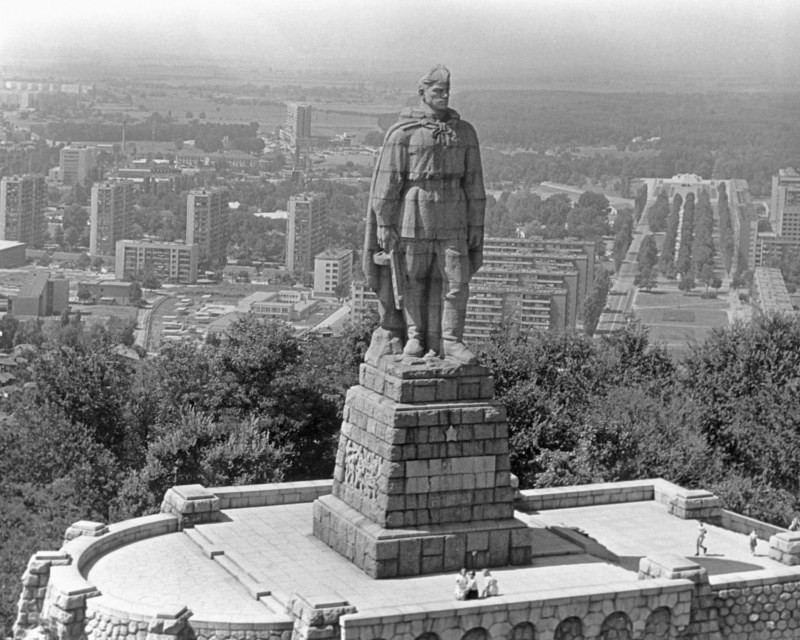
<point x="167" y="261"/>
<point x="298" y="121"/>
<point x="22" y="203"/>
<point x="569" y="253"/>
<point x="207" y="223"/>
<point x="333" y="269"/>
<point x="785" y="204"/>
<point x="305" y="230"/>
<point x="76" y="164"/>
<point x="111" y="216"/>
<point x="532" y="283"/>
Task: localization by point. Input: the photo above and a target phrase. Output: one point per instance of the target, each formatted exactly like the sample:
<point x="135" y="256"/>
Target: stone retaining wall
<point x="759" y="607"/>
<point x="104" y="622"/>
<point x="658" y="611"/>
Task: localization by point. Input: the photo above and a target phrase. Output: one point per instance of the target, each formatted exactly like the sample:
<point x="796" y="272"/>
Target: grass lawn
<point x="678" y="320"/>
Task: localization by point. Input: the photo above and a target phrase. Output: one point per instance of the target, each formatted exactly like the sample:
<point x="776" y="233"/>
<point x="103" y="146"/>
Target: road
<point x="143" y="318"/>
<point x="623" y="291"/>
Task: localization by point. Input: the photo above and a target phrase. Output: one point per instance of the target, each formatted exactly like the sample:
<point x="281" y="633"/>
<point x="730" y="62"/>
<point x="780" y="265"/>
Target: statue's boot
<point x="453" y="345"/>
<point x="385" y="342"/>
<point x="413" y="313"/>
<point x="459" y="352"/>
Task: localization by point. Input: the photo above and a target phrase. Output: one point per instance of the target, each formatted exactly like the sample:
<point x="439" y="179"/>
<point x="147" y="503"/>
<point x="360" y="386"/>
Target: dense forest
<point x="715" y="135"/>
<point x="100" y="436"/>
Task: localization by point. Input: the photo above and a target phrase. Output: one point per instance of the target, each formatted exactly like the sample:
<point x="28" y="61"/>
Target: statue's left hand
<point x="474" y="236"/>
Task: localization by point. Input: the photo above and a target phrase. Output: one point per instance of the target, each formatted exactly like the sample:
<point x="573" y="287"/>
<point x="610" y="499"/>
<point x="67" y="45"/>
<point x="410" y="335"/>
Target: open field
<point x="678" y="320"/>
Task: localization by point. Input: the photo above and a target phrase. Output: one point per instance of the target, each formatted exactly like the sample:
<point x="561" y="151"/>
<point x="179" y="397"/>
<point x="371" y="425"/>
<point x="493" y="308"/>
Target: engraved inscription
<point x="361" y="469"/>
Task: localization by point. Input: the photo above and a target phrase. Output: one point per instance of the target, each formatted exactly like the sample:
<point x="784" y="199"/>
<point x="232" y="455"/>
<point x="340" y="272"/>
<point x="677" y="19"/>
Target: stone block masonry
<point x="422" y="482"/>
<point x="418" y="465"/>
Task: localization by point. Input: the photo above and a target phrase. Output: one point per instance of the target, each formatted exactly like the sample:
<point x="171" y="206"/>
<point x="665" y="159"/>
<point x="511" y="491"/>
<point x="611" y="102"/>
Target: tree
<point x="686" y="283"/>
<point x="97" y="262"/>
<point x="640" y="201"/>
<point x="150" y="280"/>
<point x="646" y="279"/>
<point x="646" y="262"/>
<point x="83" y="261"/>
<point x="29" y="332"/>
<point x="648" y="253"/>
<point x="89" y="383"/>
<point x="8" y="329"/>
<point x="623" y="237"/>
<point x="658" y="212"/>
<point x="342" y="291"/>
<point x="595" y="302"/>
<point x="136" y="292"/>
<point x="194" y="448"/>
<point x="84" y="295"/>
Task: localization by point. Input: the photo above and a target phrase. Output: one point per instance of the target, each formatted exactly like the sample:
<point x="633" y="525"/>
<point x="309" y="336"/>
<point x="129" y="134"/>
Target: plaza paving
<point x="276" y="547"/>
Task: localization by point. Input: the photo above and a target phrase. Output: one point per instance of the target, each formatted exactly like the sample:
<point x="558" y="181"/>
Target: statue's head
<point x="434" y="89"/>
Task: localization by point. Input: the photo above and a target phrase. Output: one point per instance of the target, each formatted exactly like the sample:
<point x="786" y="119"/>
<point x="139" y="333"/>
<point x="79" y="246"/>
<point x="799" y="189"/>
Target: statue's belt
<point x="434" y="183"/>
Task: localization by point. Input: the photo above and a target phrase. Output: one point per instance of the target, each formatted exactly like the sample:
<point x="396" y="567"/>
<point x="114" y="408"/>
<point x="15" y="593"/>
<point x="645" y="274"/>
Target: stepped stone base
<point x="422" y="482"/>
<point x="391" y="553"/>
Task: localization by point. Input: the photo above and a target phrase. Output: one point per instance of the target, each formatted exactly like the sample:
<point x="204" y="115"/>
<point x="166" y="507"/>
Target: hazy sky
<point x="477" y="37"/>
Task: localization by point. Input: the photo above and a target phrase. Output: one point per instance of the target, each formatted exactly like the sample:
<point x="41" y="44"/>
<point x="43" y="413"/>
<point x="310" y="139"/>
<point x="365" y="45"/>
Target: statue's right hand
<point x="388" y="238"/>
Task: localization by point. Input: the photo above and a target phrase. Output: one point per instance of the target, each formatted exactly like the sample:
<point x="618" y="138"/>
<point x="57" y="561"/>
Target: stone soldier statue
<point x="424" y="235"/>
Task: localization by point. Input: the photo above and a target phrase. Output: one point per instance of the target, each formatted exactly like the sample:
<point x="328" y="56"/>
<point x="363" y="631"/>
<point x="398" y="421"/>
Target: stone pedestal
<point x="422" y="482"/>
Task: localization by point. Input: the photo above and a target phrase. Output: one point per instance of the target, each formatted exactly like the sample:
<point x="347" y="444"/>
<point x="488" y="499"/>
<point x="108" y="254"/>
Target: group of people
<point x="467" y="587"/>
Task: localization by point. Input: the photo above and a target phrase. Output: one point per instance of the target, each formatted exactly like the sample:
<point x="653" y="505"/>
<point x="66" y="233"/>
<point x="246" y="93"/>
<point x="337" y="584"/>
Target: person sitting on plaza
<point x="472" y="587"/>
<point x="490" y="587"/>
<point x="461" y="585"/>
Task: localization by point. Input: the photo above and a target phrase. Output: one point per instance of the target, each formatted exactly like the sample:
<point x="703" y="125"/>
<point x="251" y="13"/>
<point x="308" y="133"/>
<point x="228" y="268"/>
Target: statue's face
<point x="437" y="96"/>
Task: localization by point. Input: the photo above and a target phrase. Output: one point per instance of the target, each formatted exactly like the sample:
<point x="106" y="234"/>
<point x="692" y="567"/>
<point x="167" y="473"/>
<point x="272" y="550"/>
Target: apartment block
<point x="305" y="230"/>
<point x="110" y="217"/>
<point x="207" y="223"/>
<point x="785" y="204"/>
<point x="569" y="253"/>
<point x="298" y="121"/>
<point x="22" y="203"/>
<point x="168" y="261"/>
<point x="333" y="268"/>
<point x="76" y="164"/>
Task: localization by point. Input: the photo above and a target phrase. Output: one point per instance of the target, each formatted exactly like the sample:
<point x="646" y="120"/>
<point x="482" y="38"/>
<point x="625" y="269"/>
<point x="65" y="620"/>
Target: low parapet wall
<point x="264" y="495"/>
<point x="683" y="503"/>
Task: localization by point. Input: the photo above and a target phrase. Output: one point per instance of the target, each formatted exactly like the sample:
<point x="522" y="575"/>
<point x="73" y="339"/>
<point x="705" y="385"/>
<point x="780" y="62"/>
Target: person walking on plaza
<point x="701" y="536"/>
<point x="753" y="542"/>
